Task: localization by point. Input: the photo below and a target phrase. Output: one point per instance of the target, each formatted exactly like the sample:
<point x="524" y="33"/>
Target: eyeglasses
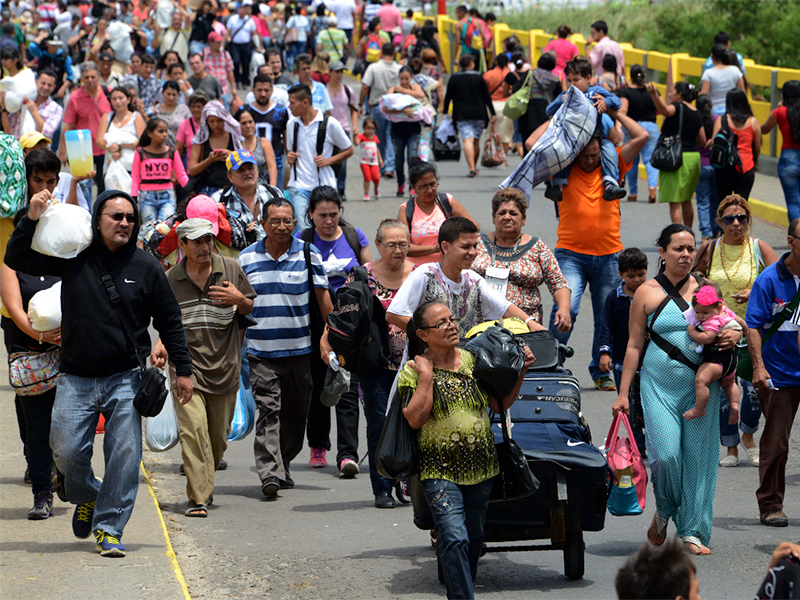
<point x="729" y="219"/>
<point x="118" y="216"/>
<point x="277" y="222"/>
<point x="443" y="324"/>
<point x="421" y="189"/>
<point x="392" y="246"/>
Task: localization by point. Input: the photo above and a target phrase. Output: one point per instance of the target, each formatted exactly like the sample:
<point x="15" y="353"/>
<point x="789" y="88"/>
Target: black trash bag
<point x="397" y="456"/>
<point x="499" y="356"/>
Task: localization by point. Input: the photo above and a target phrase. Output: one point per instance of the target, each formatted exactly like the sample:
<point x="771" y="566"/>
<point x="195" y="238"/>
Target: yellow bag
<point x="514" y="324"/>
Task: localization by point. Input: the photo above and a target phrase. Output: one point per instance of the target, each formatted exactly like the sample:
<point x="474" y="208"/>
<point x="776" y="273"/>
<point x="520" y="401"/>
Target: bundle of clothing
<point x="402" y="108"/>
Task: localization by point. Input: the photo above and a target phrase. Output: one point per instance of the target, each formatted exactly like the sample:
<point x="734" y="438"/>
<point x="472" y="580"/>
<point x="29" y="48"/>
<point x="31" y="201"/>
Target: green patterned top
<point x="456" y="443"/>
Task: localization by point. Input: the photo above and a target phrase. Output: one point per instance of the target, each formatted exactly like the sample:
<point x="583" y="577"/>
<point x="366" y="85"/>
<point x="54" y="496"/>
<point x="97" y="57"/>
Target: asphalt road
<point x="324" y="539"/>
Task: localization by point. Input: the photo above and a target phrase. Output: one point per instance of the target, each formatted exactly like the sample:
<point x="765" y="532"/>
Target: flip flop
<point x="660" y="535"/>
<point x="196" y="510"/>
<point x="691" y="540"/>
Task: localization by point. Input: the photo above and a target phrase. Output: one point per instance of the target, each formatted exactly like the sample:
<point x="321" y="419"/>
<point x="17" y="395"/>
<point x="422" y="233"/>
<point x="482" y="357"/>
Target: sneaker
<point x="108" y="545"/>
<point x="286" y="484"/>
<point x="605" y="384"/>
<point x="401" y="191"/>
<point x="42" y="506"/>
<point x="223" y="465"/>
<point x="752" y="455"/>
<point x="317" y="460"/>
<point x="377" y="194"/>
<point x="366" y="197"/>
<point x="553" y="192"/>
<point x="82" y="519"/>
<point x="270" y="487"/>
<point x="401" y="491"/>
<point x="614" y="192"/>
<point x="348" y="468"/>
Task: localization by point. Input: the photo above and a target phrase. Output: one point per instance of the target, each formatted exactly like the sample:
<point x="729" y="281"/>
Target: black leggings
<point x="730" y="181"/>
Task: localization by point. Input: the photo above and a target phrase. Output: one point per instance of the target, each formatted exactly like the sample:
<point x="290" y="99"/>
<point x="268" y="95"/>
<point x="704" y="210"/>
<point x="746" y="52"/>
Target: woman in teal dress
<point x="683" y="454"/>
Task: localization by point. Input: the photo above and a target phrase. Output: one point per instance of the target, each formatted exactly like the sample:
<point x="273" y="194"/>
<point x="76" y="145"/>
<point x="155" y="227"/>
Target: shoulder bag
<point x="32" y="372"/>
<point x="668" y="153"/>
<point x="152" y="392"/>
<point x="516" y="480"/>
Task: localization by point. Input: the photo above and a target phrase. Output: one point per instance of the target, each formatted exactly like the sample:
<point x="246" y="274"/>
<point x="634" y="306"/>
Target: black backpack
<point x="350" y="235"/>
<point x="321" y="133"/>
<point x="724" y="152"/>
<point x="442" y="201"/>
<point x="357" y="329"/>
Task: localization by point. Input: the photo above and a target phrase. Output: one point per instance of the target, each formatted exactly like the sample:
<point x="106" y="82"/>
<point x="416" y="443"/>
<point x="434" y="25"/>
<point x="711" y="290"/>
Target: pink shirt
<point x="603" y="47"/>
<point x="154" y="173"/>
<point x="84" y="112"/>
<point x="186" y="131"/>
<point x="565" y="52"/>
<point x="715" y="323"/>
<point x="390" y="17"/>
<point x="425" y="232"/>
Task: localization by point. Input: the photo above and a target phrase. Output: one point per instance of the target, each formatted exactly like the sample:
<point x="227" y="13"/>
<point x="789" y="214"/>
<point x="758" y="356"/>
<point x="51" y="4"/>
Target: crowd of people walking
<point x="229" y="237"/>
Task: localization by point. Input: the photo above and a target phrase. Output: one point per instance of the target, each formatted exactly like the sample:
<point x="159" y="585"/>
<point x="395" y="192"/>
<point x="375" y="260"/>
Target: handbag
<point x="292" y="34"/>
<point x="668" y="153"/>
<point x="493" y="153"/>
<point x="152" y="393"/>
<point x="32" y="372"/>
<point x="745" y="367"/>
<point x="516" y="480"/>
<point x="517" y="105"/>
<point x="397" y="455"/>
<point x="628" y="492"/>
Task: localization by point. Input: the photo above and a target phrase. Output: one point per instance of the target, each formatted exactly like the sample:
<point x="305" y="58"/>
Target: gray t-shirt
<point x="209" y="85"/>
<point x="721" y="82"/>
<point x="380" y="76"/>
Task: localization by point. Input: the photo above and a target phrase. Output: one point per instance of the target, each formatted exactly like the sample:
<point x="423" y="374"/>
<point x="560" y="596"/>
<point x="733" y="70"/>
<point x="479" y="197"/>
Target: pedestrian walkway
<point x="42" y="560"/>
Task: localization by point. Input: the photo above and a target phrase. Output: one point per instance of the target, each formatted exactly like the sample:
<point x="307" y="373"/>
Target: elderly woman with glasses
<point x="733" y="262"/>
<point x="427" y="212"/>
<point x="385" y="276"/>
<point x="457" y="456"/>
<point x="516" y="264"/>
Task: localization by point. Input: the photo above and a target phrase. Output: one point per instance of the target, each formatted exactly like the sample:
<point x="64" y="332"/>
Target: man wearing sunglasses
<point x="99" y="368"/>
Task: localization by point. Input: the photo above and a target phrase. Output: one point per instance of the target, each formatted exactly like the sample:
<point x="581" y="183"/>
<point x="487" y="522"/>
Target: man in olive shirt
<point x="212" y="292"/>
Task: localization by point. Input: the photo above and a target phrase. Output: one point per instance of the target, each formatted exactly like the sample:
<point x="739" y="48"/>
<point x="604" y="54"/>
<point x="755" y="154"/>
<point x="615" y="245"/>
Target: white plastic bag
<point x="256" y="61"/>
<point x="64" y="230"/>
<point x="162" y="430"/>
<point x="122" y="137"/>
<point x="117" y="178"/>
<point x="44" y="309"/>
<point x="120" y="40"/>
<point x="21" y="84"/>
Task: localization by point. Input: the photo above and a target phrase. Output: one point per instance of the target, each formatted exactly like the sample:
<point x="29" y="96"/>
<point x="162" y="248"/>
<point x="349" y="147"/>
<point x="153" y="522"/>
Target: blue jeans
<point x="79" y="403"/>
<point x="645" y="155"/>
<point x="279" y="183"/>
<point x="404" y="146"/>
<point x="226" y="100"/>
<point x="294" y="49"/>
<point x="459" y="512"/>
<point x="157" y="205"/>
<point x="789" y="174"/>
<point x="196" y="47"/>
<point x="386" y="145"/>
<point x="749" y="414"/>
<point x="375" y="389"/>
<point x="609" y="166"/>
<point x="601" y="274"/>
<point x="299" y="199"/>
<point x="707" y="202"/>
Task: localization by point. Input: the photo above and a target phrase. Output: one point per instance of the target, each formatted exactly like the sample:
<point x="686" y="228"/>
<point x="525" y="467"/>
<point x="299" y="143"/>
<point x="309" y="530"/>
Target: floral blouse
<point x="531" y="264"/>
<point x="397" y="337"/>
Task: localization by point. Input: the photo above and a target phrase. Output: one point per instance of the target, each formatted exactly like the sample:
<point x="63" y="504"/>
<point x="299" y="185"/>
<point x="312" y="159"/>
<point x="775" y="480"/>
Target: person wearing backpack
<point x="743" y="133"/>
<point x="342" y="247"/>
<point x="471" y="35"/>
<point x="425" y="212"/>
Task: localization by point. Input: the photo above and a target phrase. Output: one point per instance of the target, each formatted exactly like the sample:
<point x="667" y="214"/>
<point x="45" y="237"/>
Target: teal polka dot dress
<point x="683" y="454"/>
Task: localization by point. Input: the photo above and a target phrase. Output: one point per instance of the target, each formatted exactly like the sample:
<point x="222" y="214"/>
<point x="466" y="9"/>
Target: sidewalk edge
<point x="769" y="212"/>
<point x="173" y="560"/>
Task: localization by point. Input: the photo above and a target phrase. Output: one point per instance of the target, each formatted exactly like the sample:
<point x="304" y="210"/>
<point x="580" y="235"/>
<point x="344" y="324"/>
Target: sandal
<point x="472" y="174"/>
<point x="690" y="541"/>
<point x="660" y="535"/>
<point x="193" y="509"/>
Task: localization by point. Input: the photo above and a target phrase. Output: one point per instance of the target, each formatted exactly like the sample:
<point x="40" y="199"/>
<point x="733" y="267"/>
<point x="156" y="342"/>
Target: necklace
<point x="734" y="272"/>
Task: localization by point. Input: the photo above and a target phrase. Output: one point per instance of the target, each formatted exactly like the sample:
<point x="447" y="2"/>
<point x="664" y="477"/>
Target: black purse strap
<point x="673" y="294"/>
<point x="116" y="301"/>
<point x="680" y="124"/>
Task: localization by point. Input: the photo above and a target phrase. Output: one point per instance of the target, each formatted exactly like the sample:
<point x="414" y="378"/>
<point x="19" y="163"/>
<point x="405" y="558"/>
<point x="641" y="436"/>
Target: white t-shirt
<point x="305" y="175"/>
<point x="472" y="301"/>
<point x="279" y="97"/>
<point x="721" y="82"/>
<point x="344" y="11"/>
<point x="242" y="28"/>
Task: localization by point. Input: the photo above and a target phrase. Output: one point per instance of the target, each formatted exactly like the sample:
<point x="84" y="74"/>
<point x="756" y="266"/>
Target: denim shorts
<point x="470" y="129"/>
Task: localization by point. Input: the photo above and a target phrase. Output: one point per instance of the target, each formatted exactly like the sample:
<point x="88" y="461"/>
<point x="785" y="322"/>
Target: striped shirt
<point x="282" y="305"/>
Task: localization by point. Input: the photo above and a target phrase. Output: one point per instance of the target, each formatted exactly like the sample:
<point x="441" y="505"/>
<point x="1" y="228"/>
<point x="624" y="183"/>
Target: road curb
<point x="173" y="560"/>
<point x="772" y="213"/>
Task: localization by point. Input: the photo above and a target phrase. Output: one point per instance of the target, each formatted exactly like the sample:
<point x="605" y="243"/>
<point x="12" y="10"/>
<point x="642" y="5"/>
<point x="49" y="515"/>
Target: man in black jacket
<point x="99" y="365"/>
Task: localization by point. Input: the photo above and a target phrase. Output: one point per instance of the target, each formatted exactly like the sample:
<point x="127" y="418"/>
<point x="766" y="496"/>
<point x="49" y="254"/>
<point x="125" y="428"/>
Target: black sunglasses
<point x="729" y="219"/>
<point x="118" y="216"/>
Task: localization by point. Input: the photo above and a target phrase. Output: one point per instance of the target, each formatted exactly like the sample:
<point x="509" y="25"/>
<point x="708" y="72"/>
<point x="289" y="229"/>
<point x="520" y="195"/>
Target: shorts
<point x="470" y="129"/>
<point x="726" y="359"/>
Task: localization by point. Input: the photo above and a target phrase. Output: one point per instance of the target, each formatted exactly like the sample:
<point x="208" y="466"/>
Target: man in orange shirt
<point x="589" y="236"/>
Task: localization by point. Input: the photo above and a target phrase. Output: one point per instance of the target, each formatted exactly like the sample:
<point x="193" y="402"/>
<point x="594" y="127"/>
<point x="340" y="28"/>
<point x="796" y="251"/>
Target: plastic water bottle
<point x="625" y="481"/>
<point x="79" y="152"/>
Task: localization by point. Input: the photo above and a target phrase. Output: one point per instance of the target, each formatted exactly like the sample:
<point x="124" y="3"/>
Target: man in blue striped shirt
<point x="279" y="346"/>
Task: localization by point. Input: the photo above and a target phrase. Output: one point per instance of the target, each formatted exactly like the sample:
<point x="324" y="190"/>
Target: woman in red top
<point x="740" y="119"/>
<point x="787" y="117"/>
<point x="564" y="49"/>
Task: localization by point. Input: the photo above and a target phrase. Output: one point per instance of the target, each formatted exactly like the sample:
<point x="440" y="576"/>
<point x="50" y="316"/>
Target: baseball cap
<point x="194" y="229"/>
<point x="105" y="56"/>
<point x="237" y="158"/>
<point x="214" y="37"/>
<point x="6" y="13"/>
<point x="203" y="207"/>
<point x="337" y="65"/>
<point x="332" y="21"/>
<point x="247" y="3"/>
<point x="30" y="139"/>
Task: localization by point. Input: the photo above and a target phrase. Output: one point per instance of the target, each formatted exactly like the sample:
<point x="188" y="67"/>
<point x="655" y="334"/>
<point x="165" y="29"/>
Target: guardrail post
<point x="773" y="104"/>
